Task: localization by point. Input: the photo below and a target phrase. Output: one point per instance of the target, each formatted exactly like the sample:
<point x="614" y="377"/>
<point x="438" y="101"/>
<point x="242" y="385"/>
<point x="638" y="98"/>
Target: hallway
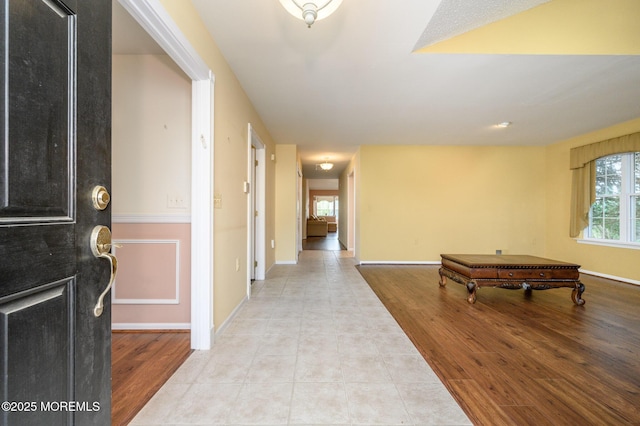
<point x="314" y="345"/>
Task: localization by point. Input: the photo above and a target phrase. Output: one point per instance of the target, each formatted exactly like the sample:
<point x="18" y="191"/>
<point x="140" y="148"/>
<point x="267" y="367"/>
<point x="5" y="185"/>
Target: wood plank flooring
<point x="330" y="242"/>
<point x="140" y="364"/>
<point x="517" y="359"/>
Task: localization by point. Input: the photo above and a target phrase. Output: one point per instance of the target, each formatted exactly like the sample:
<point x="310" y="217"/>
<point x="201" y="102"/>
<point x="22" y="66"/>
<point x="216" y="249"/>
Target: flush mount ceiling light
<point x="326" y="166"/>
<point x="504" y="124"/>
<point x="310" y="11"/>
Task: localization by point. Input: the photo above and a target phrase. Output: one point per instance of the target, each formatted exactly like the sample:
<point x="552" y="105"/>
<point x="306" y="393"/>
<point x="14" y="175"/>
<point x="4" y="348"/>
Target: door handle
<point x="101" y="248"/>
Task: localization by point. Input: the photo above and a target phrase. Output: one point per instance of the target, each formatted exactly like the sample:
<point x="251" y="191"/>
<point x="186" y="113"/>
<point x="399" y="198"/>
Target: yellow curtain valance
<point x="582" y="155"/>
<point x="582" y="162"/>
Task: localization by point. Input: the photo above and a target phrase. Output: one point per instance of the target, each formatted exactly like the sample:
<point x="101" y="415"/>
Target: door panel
<point x="41" y="69"/>
<point x="46" y="315"/>
<point x="55" y="119"/>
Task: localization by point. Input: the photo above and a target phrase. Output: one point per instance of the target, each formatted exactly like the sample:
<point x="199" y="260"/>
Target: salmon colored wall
<point x="153" y="259"/>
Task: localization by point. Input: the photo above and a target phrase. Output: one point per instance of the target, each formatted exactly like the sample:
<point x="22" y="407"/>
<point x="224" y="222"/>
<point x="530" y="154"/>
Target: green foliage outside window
<point x="615" y="215"/>
<point x="605" y="222"/>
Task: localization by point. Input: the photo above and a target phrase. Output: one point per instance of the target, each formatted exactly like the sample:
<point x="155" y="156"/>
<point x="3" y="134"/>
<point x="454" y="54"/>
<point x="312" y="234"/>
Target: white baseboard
<point x="266" y="273"/>
<point x="611" y="277"/>
<point x="286" y="262"/>
<point x="151" y="326"/>
<point x="399" y="262"/>
<point x="230" y="318"/>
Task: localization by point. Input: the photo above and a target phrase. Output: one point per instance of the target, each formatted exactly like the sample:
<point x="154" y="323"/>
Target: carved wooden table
<point x="510" y="272"/>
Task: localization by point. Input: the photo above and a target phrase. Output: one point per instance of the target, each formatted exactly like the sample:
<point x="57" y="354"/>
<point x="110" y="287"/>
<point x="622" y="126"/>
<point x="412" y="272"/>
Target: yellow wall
<point x="286" y="203"/>
<point x="617" y="262"/>
<point x="416" y="202"/>
<point x="344" y="212"/>
<point x="558" y="27"/>
<point x="232" y="113"/>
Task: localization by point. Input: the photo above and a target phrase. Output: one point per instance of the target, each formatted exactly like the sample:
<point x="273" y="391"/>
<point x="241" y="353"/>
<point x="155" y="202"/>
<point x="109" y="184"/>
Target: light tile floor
<point x="313" y="346"/>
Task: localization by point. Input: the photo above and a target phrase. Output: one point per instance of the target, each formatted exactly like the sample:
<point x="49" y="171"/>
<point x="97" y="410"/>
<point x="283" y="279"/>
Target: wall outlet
<point x="237" y="264"/>
<point x="273" y="244"/>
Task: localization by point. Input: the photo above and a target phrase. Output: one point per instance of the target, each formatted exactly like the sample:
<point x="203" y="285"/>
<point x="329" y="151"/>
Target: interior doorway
<point x="151" y="131"/>
<point x="256" y="211"/>
<point x="155" y="20"/>
<point x="322" y="219"/>
<point x="351" y="211"/>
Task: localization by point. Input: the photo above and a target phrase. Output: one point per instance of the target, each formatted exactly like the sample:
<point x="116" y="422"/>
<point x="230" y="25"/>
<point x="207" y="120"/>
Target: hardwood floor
<point x="330" y="242"/>
<point x="513" y="359"/>
<point x="140" y="364"/>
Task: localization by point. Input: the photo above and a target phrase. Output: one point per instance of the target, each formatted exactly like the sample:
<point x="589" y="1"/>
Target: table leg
<point x="443" y="279"/>
<point x="576" y="294"/>
<point x="471" y="288"/>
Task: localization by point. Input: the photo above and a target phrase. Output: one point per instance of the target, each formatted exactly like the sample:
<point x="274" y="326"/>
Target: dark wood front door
<point x="55" y="354"/>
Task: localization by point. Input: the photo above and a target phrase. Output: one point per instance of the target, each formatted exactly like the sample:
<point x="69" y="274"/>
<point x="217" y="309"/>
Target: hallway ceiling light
<point x="310" y="11"/>
<point x="326" y="166"/>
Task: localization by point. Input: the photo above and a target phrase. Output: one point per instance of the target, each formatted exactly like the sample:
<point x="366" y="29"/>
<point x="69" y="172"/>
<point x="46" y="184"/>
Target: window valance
<point x="582" y="162"/>
<point x="582" y="155"/>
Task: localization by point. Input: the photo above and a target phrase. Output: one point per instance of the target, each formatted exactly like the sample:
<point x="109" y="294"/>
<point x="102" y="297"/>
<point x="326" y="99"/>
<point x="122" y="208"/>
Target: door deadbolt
<point x="100" y="197"/>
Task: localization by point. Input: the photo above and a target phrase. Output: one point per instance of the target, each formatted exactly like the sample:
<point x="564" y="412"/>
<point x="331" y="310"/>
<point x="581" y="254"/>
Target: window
<point x="326" y="205"/>
<point x="615" y="215"/>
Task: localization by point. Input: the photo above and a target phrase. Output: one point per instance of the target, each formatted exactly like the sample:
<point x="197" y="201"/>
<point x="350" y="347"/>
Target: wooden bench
<point x="510" y="272"/>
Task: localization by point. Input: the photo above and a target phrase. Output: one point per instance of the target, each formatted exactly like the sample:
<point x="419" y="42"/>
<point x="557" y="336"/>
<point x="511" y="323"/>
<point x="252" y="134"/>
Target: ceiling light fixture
<point x="310" y="11"/>
<point x="504" y="124"/>
<point x="326" y="166"/>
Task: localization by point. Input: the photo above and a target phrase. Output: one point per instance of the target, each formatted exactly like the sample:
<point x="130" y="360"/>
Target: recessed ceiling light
<point x="504" y="124"/>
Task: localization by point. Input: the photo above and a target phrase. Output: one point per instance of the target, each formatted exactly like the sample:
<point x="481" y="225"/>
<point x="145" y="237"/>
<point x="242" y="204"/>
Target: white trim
<point x="611" y="277"/>
<point x="268" y="270"/>
<point x="152" y="16"/>
<point x="151" y="218"/>
<point x="174" y="301"/>
<point x="399" y="262"/>
<point x="258" y="188"/>
<point x="286" y="262"/>
<point x="202" y="216"/>
<point x="231" y="317"/>
<point x="609" y="243"/>
<point x="150" y="326"/>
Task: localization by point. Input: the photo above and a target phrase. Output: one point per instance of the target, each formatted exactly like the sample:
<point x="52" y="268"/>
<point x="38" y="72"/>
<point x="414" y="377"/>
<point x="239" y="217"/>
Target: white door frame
<point x="256" y="224"/>
<point x="351" y="211"/>
<point x="152" y="16"/>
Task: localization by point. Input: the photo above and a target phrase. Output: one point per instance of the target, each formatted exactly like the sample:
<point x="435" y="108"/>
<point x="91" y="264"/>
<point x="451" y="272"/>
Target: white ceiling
<point x="352" y="78"/>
